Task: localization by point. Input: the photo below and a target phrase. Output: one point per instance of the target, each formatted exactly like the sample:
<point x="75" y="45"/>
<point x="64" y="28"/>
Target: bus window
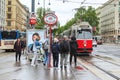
<point x="4" y="34"/>
<point x="8" y="35"/>
<point x="22" y="34"/>
<point x="13" y="35"/>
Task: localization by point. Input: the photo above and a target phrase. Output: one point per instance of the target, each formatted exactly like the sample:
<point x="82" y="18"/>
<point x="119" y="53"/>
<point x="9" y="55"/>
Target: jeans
<point x="46" y="58"/>
<point x="18" y="54"/>
<point x="63" y="59"/>
<point x="75" y="58"/>
<point x="55" y="60"/>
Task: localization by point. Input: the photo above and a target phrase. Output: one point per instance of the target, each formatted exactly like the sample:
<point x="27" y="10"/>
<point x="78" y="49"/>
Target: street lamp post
<point x="33" y="6"/>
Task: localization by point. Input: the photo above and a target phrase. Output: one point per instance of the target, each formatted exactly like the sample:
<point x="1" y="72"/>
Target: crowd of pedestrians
<point x="61" y="49"/>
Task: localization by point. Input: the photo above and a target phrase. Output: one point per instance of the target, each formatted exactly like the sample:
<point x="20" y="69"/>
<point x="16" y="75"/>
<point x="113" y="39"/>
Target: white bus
<point x="8" y="38"/>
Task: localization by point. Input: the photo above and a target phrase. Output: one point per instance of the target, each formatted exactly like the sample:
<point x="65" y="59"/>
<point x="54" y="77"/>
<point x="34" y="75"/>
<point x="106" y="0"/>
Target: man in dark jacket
<point x="64" y="51"/>
<point x="18" y="48"/>
<point x="73" y="50"/>
<point x="55" y="52"/>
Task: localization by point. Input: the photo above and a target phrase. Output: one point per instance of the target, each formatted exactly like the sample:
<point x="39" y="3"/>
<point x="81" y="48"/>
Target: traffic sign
<point x="50" y="19"/>
<point x="32" y="21"/>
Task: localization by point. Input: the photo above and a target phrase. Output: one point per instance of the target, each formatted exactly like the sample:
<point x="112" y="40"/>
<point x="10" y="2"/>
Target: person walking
<point x="46" y="46"/>
<point x="64" y="51"/>
<point x="18" y="49"/>
<point x="55" y="52"/>
<point x="73" y="50"/>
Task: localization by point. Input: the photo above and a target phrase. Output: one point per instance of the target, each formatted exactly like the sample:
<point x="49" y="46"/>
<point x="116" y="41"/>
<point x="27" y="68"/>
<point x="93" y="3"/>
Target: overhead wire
<point x="84" y="2"/>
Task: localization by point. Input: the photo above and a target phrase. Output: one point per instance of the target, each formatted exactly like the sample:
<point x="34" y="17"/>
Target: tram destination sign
<point x="50" y="19"/>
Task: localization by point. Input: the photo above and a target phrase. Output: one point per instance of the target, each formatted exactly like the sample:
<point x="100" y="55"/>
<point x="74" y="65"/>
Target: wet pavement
<point x="10" y="70"/>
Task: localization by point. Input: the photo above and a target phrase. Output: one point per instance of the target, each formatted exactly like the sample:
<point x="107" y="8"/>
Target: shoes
<point x="44" y="64"/>
<point x="65" y="67"/>
<point x="61" y="67"/>
<point x="75" y="65"/>
<point x="70" y="63"/>
<point x="32" y="65"/>
<point x="55" y="68"/>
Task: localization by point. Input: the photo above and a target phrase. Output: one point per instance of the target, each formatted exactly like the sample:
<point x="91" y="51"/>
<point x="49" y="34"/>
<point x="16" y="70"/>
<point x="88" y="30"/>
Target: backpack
<point x="74" y="46"/>
<point x="23" y="44"/>
<point x="65" y="46"/>
<point x="55" y="48"/>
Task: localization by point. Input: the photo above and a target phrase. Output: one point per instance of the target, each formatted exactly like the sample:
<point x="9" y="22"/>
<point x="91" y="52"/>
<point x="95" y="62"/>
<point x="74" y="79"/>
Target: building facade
<point x="110" y="21"/>
<point x="2" y="14"/>
<point x="16" y="15"/>
<point x="98" y="12"/>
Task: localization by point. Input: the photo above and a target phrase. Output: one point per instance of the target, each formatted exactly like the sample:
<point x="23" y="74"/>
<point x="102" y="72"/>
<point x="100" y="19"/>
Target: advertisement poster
<point x="31" y="35"/>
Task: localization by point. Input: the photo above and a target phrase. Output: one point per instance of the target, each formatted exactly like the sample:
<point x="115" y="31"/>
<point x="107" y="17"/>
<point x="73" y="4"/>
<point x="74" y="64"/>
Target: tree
<point x="82" y="14"/>
<point x="67" y="25"/>
<point x="40" y="17"/>
<point x="88" y="15"/>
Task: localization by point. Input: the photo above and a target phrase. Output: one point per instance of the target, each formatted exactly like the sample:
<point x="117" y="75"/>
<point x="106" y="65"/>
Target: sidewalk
<point x="24" y="71"/>
<point x="70" y="73"/>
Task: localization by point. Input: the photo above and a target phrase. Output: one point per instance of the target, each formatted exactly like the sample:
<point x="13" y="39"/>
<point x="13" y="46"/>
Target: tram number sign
<point x="50" y="19"/>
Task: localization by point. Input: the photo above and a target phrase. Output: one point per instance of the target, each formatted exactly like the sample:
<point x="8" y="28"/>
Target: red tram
<point x="83" y="34"/>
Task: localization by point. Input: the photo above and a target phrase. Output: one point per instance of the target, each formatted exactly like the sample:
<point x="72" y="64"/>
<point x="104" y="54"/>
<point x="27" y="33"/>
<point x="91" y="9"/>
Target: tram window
<point x="84" y="35"/>
<point x="79" y="31"/>
<point x="73" y="33"/>
<point x="88" y="35"/>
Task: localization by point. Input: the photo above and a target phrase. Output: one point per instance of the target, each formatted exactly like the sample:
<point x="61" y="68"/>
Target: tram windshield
<point x="84" y="35"/>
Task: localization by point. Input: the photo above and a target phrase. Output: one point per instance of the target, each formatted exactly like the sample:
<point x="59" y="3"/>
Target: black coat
<point x="73" y="46"/>
<point x="18" y="47"/>
<point x="65" y="49"/>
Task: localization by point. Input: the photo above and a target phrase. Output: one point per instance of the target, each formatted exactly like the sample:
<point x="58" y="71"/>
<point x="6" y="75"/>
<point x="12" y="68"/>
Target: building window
<point x="8" y="23"/>
<point x="9" y="9"/>
<point x="9" y="2"/>
<point x="9" y="16"/>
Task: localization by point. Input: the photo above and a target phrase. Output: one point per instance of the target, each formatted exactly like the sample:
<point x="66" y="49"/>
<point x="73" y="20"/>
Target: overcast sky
<point x="64" y="11"/>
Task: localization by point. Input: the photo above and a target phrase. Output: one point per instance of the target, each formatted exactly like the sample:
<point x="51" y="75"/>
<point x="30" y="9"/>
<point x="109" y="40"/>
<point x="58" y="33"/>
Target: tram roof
<point x="82" y="25"/>
<point x="85" y="25"/>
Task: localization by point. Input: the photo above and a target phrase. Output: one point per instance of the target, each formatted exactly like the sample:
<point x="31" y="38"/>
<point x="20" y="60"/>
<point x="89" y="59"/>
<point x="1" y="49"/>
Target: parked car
<point x="94" y="43"/>
<point x="99" y="42"/>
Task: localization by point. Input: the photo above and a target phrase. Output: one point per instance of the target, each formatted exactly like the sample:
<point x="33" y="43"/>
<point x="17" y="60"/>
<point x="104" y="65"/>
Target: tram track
<point x="87" y="59"/>
<point x="107" y="60"/>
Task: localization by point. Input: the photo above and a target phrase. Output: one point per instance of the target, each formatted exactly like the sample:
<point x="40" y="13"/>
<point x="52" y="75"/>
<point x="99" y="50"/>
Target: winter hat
<point x="64" y="36"/>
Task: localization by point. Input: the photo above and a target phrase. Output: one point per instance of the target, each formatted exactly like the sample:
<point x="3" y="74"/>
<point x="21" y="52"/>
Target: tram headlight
<point x="84" y="44"/>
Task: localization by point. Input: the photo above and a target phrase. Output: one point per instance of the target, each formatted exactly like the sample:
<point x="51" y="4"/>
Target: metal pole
<point x="33" y="6"/>
<point x="50" y="45"/>
<point x="44" y="7"/>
